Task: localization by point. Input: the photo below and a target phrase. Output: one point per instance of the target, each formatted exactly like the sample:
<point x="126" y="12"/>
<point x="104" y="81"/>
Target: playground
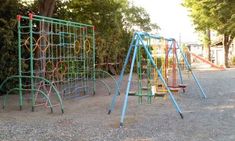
<point x="117" y="70"/>
<point x="87" y="119"/>
<point x="59" y="94"/>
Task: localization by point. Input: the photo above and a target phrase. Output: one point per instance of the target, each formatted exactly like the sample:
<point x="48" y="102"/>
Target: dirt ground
<point x="211" y="119"/>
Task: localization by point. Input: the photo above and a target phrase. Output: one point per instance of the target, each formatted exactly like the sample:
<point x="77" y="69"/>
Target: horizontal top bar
<point x="59" y="20"/>
<point x="154" y="36"/>
<point x="53" y="20"/>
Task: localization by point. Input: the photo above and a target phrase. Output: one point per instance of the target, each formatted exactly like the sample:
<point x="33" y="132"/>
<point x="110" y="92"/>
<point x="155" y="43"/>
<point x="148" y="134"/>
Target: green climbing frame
<point x="56" y="61"/>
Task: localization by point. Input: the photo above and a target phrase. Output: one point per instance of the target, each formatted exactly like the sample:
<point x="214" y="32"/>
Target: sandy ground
<point x="211" y="119"/>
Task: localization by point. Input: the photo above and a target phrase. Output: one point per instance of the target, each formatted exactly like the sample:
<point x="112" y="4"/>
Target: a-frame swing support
<point x="136" y="44"/>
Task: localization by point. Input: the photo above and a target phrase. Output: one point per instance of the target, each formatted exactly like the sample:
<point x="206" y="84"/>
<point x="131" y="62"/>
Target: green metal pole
<point x="149" y="93"/>
<point x="140" y="92"/>
<point x="19" y="61"/>
<point x="94" y="70"/>
<point x="149" y="81"/>
<point x="40" y="78"/>
<point x="62" y="21"/>
<point x="87" y="59"/>
<point x="84" y="60"/>
<point x="31" y="58"/>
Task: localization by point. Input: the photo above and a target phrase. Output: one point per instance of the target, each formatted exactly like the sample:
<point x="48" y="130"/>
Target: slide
<point x="207" y="62"/>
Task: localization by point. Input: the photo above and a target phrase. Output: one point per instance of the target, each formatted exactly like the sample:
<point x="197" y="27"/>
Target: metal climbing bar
<point x="61" y="53"/>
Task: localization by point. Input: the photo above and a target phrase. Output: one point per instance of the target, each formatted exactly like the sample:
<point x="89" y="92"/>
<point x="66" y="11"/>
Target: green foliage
<point x="114" y="21"/>
<point x="214" y="14"/>
<point x="8" y="42"/>
<point x="137" y="17"/>
<point x="8" y="39"/>
<point x="200" y="13"/>
<point x="218" y="15"/>
<point x="233" y="60"/>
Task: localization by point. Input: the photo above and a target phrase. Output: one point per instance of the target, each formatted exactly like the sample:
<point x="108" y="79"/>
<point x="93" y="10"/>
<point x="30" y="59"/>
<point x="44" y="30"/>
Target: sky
<point x="171" y="17"/>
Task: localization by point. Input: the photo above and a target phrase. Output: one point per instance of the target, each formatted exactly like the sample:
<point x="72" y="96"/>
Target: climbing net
<point x="56" y="57"/>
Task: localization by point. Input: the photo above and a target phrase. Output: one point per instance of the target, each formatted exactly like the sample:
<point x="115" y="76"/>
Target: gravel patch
<point x="210" y="119"/>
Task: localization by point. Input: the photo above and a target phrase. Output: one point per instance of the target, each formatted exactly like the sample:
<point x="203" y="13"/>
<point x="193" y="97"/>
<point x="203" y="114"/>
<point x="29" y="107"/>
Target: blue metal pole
<point x="129" y="83"/>
<point x="195" y="78"/>
<point x="162" y="79"/>
<point x="117" y="90"/>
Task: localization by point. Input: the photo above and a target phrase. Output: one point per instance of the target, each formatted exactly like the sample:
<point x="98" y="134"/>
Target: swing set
<point x="157" y="51"/>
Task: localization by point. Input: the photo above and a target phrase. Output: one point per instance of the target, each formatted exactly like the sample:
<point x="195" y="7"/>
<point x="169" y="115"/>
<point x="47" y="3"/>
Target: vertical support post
<point x="166" y="60"/>
<point x="31" y="59"/>
<point x="84" y="60"/>
<point x="129" y="83"/>
<point x="19" y="61"/>
<point x="150" y="95"/>
<point x="94" y="73"/>
<point x="194" y="77"/>
<point x="139" y="73"/>
<point x="87" y="58"/>
<point x="149" y="92"/>
<point x="178" y="64"/>
<point x="117" y="92"/>
<point x="174" y="66"/>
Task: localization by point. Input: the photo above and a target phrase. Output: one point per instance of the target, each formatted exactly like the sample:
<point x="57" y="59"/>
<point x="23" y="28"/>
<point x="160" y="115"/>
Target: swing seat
<point x="182" y="86"/>
<point x="144" y="95"/>
<point x="162" y="91"/>
<point x="160" y="94"/>
<point x="132" y="93"/>
<point x="159" y="85"/>
<point x="175" y="89"/>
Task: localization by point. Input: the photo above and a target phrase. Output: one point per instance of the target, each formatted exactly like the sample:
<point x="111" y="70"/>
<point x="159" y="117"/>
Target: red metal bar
<point x="207" y="62"/>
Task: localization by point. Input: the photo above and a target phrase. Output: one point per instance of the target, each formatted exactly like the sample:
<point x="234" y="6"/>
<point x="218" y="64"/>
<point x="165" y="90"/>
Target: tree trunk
<point x="226" y="43"/>
<point x="226" y="49"/>
<point x="46" y="7"/>
<point x="209" y="44"/>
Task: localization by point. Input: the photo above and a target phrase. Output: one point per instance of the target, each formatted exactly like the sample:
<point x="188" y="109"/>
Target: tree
<point x="8" y="38"/>
<point x="46" y="7"/>
<point x="136" y="18"/>
<point x="223" y="15"/>
<point x="8" y="30"/>
<point x="113" y="21"/>
<point x="199" y="14"/>
<point x="216" y="15"/>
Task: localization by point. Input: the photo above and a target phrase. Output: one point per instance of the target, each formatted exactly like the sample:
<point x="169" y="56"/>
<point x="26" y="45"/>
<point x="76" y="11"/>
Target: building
<point x="217" y="51"/>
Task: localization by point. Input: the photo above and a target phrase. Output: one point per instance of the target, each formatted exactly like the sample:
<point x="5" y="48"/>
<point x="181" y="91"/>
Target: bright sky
<point x="171" y="17"/>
